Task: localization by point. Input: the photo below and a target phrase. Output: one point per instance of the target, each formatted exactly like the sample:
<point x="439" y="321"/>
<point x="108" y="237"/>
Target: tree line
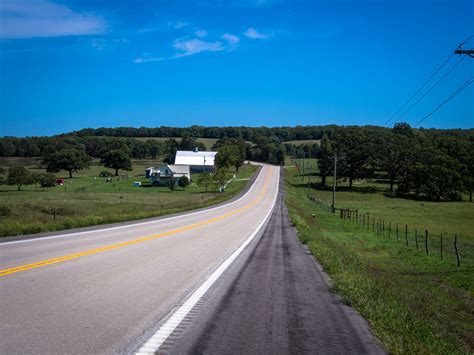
<point x="423" y="164"/>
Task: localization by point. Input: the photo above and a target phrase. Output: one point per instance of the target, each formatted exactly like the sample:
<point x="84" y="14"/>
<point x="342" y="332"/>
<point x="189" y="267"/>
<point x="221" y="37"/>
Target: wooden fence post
<point x="406" y="234"/>
<point x="426" y="242"/>
<point x="456" y="250"/>
<point x="383" y="227"/>
<point x="398" y="235"/>
<point x="389" y="229"/>
<point x="416" y="239"/>
<point x="441" y="246"/>
<point x="373" y="224"/>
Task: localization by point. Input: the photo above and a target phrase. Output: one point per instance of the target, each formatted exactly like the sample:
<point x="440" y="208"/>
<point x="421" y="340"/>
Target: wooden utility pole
<point x="333" y="206"/>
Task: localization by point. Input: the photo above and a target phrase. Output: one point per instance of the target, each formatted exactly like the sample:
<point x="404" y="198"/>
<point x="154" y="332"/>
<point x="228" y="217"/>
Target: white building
<point x="198" y="161"/>
<point x="166" y="173"/>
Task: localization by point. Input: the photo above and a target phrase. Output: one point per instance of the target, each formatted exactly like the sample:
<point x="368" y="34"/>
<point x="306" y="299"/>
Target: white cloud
<point x="230" y="38"/>
<point x="254" y="34"/>
<point x="109" y="43"/>
<point x="178" y="24"/>
<point x="146" y="58"/>
<point x="44" y="18"/>
<point x="201" y="33"/>
<point x="189" y="47"/>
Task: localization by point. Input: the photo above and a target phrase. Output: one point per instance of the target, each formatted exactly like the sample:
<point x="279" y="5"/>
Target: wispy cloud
<point x="187" y="47"/>
<point x="230" y="38"/>
<point x="109" y="43"/>
<point x="254" y="34"/>
<point x="146" y="58"/>
<point x="178" y="24"/>
<point x="44" y="18"/>
<point x="201" y="33"/>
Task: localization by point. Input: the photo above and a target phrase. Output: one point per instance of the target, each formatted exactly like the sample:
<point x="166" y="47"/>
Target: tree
<point x="434" y="176"/>
<point x="205" y="179"/>
<point x="19" y="176"/>
<point x="116" y="159"/>
<point x="67" y="159"/>
<point x="154" y="148"/>
<point x="227" y="156"/>
<point x="326" y="159"/>
<point x="46" y="180"/>
<point x="220" y="177"/>
<point x="183" y="182"/>
<point x="353" y="147"/>
<point x="169" y="150"/>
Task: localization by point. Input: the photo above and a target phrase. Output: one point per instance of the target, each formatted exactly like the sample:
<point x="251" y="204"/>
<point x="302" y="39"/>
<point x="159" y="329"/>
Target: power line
<point x="428" y="80"/>
<point x="421" y="88"/>
<point x="432" y="87"/>
<point x="461" y="88"/>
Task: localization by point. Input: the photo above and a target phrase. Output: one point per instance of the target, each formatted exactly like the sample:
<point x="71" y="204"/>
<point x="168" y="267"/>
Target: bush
<point x="5" y="211"/>
<point x="105" y="173"/>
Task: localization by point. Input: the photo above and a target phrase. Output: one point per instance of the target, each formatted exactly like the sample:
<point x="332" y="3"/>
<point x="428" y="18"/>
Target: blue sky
<point x="70" y="64"/>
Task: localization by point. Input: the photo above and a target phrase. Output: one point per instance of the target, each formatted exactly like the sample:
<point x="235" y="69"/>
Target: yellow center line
<point x="77" y="255"/>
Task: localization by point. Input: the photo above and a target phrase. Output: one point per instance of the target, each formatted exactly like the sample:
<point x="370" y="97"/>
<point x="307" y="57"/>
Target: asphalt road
<point x="275" y="300"/>
<point x="107" y="290"/>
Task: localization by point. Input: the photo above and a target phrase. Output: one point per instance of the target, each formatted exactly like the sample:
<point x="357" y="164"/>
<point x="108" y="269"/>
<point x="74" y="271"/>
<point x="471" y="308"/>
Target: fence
<point x="431" y="244"/>
<point x="420" y="239"/>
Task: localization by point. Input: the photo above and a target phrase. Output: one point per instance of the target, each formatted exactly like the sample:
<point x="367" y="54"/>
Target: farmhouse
<point x="198" y="161"/>
<point x="166" y="173"/>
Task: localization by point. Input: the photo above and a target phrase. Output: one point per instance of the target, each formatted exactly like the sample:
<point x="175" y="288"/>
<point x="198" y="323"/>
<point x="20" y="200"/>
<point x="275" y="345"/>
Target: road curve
<point x="106" y="290"/>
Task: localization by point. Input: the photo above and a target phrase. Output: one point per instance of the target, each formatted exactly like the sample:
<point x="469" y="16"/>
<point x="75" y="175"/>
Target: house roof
<point x="179" y="169"/>
<point x="184" y="157"/>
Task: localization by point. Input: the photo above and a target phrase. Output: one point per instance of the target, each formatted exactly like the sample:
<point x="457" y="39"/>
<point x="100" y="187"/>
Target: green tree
<point x="353" y="151"/>
<point x="19" y="176"/>
<point x="68" y="159"/>
<point x="220" y="177"/>
<point x="183" y="182"/>
<point x="227" y="156"/>
<point x="169" y="150"/>
<point x="205" y="179"/>
<point x="154" y="148"/>
<point x="116" y="159"/>
<point x="326" y="159"/>
<point x="46" y="180"/>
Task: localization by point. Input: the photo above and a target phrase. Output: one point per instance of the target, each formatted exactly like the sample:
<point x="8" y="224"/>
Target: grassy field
<point x="304" y="141"/>
<point x="87" y="199"/>
<point x="414" y="303"/>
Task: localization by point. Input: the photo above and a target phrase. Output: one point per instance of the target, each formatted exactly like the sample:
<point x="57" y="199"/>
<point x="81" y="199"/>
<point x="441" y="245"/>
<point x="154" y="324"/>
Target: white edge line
<point x="130" y="225"/>
<point x="156" y="340"/>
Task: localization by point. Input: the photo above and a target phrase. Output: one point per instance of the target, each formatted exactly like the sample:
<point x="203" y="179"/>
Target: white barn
<point x="198" y="161"/>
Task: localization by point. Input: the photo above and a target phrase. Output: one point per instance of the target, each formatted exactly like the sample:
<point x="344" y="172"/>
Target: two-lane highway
<point x="107" y="290"/>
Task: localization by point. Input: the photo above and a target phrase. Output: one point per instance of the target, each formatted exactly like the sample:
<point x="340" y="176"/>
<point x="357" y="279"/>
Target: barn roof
<point x="184" y="157"/>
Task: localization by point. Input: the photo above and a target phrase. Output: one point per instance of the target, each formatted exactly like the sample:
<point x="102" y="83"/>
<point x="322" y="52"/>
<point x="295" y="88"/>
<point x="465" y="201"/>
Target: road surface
<point x="106" y="291"/>
<point x="229" y="280"/>
<point x="275" y="300"/>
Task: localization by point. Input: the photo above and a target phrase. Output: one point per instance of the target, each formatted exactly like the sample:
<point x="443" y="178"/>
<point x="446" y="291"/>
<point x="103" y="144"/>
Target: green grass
<point x="87" y="199"/>
<point x="304" y="141"/>
<point x="413" y="302"/>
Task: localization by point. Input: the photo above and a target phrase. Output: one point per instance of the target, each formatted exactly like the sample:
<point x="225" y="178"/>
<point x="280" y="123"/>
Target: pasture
<point x="415" y="303"/>
<point x="88" y="199"/>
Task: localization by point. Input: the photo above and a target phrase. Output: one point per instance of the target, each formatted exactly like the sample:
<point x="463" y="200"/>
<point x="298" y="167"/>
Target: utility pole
<point x="333" y="206"/>
<point x="309" y="178"/>
<point x="469" y="52"/>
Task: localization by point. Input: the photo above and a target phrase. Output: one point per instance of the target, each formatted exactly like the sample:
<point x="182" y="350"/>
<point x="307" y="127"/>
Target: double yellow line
<point x="77" y="255"/>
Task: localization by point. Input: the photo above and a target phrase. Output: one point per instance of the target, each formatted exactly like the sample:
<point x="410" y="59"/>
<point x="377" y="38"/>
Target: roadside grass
<point x="413" y="302"/>
<point x="87" y="199"/>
